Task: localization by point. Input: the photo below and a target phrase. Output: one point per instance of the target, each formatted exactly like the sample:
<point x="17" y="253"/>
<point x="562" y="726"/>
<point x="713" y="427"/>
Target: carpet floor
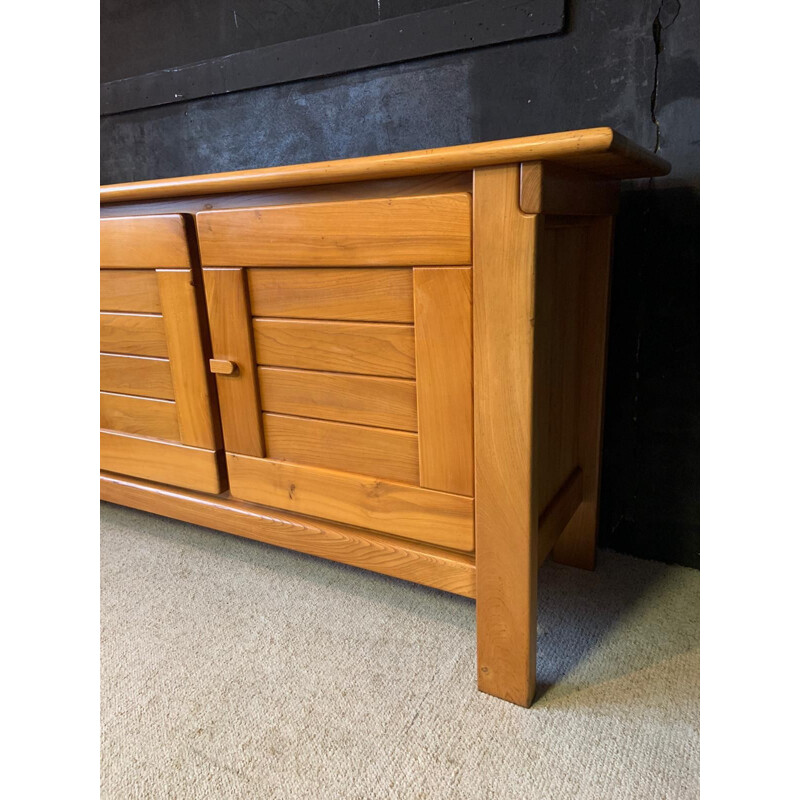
<point x="232" y="669"/>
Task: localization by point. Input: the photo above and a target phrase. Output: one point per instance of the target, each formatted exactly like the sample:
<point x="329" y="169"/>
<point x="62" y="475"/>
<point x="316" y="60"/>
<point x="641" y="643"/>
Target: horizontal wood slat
<point x="144" y="416"/>
<point x="420" y="514"/>
<point x="388" y="232"/>
<point x="366" y="295"/>
<point x="411" y="561"/>
<point x="376" y="452"/>
<point x="164" y="462"/>
<point x="366" y="400"/>
<point x="134" y="291"/>
<point x="143" y="241"/>
<point x="133" y="334"/>
<point x="355" y="347"/>
<point x="145" y="377"/>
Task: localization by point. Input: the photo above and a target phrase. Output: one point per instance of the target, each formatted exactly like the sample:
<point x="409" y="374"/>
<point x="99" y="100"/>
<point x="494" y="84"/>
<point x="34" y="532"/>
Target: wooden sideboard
<point x="394" y="362"/>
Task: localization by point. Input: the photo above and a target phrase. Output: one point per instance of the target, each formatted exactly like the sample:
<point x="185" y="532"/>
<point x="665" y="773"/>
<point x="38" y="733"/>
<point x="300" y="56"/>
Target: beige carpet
<point x="232" y="669"/>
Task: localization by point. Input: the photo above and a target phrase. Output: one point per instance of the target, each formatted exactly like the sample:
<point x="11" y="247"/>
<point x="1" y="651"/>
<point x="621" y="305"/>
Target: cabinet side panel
<point x="576" y="545"/>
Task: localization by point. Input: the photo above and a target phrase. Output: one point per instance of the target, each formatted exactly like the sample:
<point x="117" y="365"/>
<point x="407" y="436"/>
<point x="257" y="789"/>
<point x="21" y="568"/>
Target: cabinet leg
<point x="506" y="557"/>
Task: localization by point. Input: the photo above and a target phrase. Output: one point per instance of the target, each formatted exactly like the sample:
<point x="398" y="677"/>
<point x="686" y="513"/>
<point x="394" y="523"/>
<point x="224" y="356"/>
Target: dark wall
<point x="630" y="64"/>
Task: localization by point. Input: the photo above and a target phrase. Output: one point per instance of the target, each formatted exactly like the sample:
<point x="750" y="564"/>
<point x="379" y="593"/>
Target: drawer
<point x="428" y="230"/>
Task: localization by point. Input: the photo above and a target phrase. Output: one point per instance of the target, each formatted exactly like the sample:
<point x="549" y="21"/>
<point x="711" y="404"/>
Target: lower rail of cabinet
<point x="411" y="561"/>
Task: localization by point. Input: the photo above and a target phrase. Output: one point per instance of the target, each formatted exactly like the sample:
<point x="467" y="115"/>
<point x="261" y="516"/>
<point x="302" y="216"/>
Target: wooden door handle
<point x="220" y="366"/>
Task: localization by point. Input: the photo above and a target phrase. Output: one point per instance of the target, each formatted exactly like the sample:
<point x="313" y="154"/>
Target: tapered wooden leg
<point x="576" y="545"/>
<point x="505" y="523"/>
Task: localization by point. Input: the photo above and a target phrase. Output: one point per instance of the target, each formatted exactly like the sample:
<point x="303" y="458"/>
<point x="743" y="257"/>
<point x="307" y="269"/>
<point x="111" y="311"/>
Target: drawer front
<point x="156" y="412"/>
<point x="343" y="414"/>
<point x="146" y="241"/>
<point x="401" y="231"/>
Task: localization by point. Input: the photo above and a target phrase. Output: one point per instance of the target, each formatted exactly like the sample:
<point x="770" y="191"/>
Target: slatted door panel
<point x="346" y="386"/>
<point x="156" y="413"/>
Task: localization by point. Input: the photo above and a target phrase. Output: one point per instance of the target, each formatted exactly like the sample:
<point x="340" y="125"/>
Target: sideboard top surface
<point x="601" y="151"/>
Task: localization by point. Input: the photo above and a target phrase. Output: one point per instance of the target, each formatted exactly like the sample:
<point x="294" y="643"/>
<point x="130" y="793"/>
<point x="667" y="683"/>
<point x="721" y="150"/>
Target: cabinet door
<point x="156" y="415"/>
<point x="346" y="391"/>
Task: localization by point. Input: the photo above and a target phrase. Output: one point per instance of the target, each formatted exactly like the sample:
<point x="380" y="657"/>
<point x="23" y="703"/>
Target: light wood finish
<point x="143" y="416"/>
<point x="165" y="462"/>
<point x="558" y="512"/>
<point x="411" y="561"/>
<point x="365" y="295"/>
<point x="231" y="339"/>
<point x="402" y="231"/>
<point x="506" y="548"/>
<point x="365" y="400"/>
<point x="436" y="518"/>
<point x="600" y="150"/>
<point x="134" y="291"/>
<point x="374" y="452"/>
<point x="576" y="546"/>
<point x="355" y="347"/>
<point x="547" y="188"/>
<point x="187" y="360"/>
<point x="338" y="305"/>
<point x="559" y="267"/>
<point x="443" y="336"/>
<point x="143" y="241"/>
<point x="221" y="367"/>
<point x="410" y="186"/>
<point x="145" y="377"/>
<point x="133" y="334"/>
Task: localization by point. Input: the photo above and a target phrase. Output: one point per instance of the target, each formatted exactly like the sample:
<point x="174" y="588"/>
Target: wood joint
<point x="559" y="512"/>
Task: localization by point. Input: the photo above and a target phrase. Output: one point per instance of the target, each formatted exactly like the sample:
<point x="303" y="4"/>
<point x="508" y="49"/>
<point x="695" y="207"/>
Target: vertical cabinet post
<point x="505" y="522"/>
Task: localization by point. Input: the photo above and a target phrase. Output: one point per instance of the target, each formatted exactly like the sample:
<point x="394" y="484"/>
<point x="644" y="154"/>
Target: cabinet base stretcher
<point x="412" y="561"/>
<point x="396" y="363"/>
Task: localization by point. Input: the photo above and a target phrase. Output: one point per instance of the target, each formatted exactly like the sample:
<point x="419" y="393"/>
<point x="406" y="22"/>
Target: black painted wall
<point x="630" y="64"/>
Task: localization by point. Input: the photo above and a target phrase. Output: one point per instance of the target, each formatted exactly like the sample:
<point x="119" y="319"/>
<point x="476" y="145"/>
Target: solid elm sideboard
<point x="394" y="362"/>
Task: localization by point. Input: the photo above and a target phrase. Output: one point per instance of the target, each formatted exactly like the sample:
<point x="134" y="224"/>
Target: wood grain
<point x="547" y="188"/>
<point x="410" y="186"/>
<point x="355" y="347"/>
<point x="144" y="377"/>
<point x="143" y="241"/>
<point x="436" y="518"/>
<point x="401" y="231"/>
<point x="411" y="561"/>
<point x="600" y="150"/>
<point x="558" y="512"/>
<point x="577" y="544"/>
<point x="143" y="416"/>
<point x="373" y="452"/>
<point x="165" y="462"/>
<point x="366" y="400"/>
<point x="506" y="549"/>
<point x="190" y="379"/>
<point x="133" y="334"/>
<point x="560" y="252"/>
<point x="443" y="336"/>
<point x="366" y="295"/>
<point x="231" y="340"/>
<point x="132" y="291"/>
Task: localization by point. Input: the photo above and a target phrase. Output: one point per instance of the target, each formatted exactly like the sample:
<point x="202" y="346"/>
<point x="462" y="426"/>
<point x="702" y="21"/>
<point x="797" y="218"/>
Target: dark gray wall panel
<point x="602" y="71"/>
<point x="154" y="43"/>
